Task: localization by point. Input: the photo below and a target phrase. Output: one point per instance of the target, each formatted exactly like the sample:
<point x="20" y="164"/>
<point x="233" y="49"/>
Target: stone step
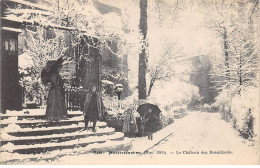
<point x="15" y="130"/>
<point x="16" y="158"/>
<point x="38" y="123"/>
<point x="32" y="137"/>
<point x="29" y="140"/>
<point x="41" y="148"/>
<point x="34" y="114"/>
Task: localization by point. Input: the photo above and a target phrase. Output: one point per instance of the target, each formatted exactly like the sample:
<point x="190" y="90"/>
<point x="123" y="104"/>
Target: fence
<point x="74" y="98"/>
<point x="23" y="94"/>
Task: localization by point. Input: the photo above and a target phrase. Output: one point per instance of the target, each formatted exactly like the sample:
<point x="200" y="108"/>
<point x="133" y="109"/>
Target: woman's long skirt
<point x="56" y="108"/>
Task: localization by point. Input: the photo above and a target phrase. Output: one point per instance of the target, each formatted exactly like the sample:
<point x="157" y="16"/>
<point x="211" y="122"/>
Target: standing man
<point x="150" y="123"/>
<point x="93" y="108"/>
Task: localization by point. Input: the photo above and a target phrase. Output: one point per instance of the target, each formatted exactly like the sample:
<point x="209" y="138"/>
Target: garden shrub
<point x="245" y="112"/>
<point x="241" y="108"/>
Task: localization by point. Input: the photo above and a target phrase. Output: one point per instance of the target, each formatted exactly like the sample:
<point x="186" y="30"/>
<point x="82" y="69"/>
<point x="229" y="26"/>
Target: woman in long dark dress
<point x="93" y="108"/>
<point x="56" y="108"/>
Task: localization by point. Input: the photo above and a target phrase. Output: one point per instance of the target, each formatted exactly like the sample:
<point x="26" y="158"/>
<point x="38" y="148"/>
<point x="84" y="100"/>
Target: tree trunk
<point x="240" y="73"/>
<point x="150" y="87"/>
<point x="226" y="55"/>
<point x="142" y="55"/>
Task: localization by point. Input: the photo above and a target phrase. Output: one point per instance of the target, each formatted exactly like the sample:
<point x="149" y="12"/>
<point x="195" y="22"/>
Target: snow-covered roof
<point x="34" y="11"/>
<point x="14" y="18"/>
<point x="21" y="20"/>
<point x="111" y="3"/>
<point x="12" y="29"/>
<point x="31" y="4"/>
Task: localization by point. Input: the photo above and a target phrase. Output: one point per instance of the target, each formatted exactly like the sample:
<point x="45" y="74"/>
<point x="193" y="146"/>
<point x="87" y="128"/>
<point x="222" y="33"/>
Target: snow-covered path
<point x="192" y="134"/>
<point x="201" y="131"/>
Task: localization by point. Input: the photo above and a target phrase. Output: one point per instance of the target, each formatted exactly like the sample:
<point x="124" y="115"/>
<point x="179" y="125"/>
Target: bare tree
<point x="167" y="12"/>
<point x="162" y="69"/>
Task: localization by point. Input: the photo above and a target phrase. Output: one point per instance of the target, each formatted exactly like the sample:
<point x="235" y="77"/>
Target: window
<point x="12" y="45"/>
<point x="21" y="43"/>
<point x="6" y="45"/>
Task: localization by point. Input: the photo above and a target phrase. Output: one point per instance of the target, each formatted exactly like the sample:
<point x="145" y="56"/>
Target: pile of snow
<point x="10" y="120"/>
<point x="8" y="147"/>
<point x="5" y="136"/>
<point x="12" y="128"/>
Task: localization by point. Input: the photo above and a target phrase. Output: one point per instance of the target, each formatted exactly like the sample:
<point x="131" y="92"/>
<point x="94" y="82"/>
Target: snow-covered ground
<point x="201" y="131"/>
<point x="192" y="134"/>
<point x="185" y="140"/>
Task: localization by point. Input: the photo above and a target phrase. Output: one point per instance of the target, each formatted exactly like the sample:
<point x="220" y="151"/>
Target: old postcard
<point x="129" y="82"/>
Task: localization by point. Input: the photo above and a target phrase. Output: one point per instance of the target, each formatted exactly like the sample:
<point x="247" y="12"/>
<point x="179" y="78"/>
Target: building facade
<point x="87" y="73"/>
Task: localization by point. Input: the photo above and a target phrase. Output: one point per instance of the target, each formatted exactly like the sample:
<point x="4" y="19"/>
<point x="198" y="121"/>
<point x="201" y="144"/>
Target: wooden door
<point x="10" y="90"/>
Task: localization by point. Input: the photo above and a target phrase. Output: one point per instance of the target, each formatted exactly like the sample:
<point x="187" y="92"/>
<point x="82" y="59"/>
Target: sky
<point x="188" y="32"/>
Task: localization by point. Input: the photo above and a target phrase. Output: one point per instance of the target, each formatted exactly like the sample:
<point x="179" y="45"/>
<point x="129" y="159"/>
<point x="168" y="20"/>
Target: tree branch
<point x="250" y="18"/>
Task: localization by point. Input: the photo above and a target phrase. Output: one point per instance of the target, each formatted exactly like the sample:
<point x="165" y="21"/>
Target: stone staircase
<point x="32" y="137"/>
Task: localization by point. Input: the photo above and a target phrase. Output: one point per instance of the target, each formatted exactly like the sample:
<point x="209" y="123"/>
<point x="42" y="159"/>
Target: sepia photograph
<point x="129" y="82"/>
